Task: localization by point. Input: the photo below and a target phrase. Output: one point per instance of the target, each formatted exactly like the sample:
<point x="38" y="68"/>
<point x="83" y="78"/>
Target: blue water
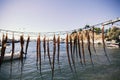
<point x="101" y="70"/>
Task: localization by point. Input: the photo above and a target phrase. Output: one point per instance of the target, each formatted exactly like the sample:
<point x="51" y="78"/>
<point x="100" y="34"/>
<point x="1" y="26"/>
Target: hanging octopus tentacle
<point x="79" y="49"/>
<point x="48" y="50"/>
<point x="103" y="37"/>
<point x="76" y="44"/>
<point x="28" y="39"/>
<point x="40" y="53"/>
<point x="71" y="49"/>
<point x="58" y="45"/>
<point x="13" y="48"/>
<point x="82" y="44"/>
<point x="88" y="39"/>
<point x="54" y="51"/>
<point x="37" y="52"/>
<point x="75" y="50"/>
<point x="44" y="46"/>
<point x="1" y="55"/>
<point x="22" y="44"/>
<point x="4" y="41"/>
<point x="93" y="39"/>
<point x="67" y="50"/>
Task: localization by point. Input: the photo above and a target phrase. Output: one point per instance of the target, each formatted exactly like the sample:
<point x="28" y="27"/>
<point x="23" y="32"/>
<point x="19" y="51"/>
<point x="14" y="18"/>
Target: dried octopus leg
<point x="48" y="50"/>
<point x="79" y="49"/>
<point x="67" y="50"/>
<point x="13" y="48"/>
<point x="2" y="53"/>
<point x="93" y="40"/>
<point x="75" y="48"/>
<point x="75" y="45"/>
<point x="71" y="49"/>
<point x="54" y="51"/>
<point x="44" y="46"/>
<point x="58" y="45"/>
<point x="39" y="52"/>
<point x="82" y="43"/>
<point x="4" y="40"/>
<point x="4" y="44"/>
<point x="104" y="44"/>
<point x="88" y="39"/>
<point x="22" y="44"/>
<point x="28" y="39"/>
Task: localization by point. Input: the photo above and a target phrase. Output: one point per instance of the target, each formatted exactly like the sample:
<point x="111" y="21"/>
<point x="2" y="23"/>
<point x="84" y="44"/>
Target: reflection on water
<point x="28" y="70"/>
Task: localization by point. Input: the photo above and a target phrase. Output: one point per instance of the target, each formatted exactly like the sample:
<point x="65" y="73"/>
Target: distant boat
<point x="7" y="56"/>
<point x="114" y="45"/>
<point x="62" y="41"/>
<point x="10" y="41"/>
<point x="7" y="44"/>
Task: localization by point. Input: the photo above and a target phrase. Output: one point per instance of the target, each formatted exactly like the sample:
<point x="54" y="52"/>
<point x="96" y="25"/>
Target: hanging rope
<point x="34" y="34"/>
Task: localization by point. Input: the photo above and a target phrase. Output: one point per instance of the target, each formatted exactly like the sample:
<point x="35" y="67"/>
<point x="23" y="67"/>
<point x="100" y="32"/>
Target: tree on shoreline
<point x="113" y="34"/>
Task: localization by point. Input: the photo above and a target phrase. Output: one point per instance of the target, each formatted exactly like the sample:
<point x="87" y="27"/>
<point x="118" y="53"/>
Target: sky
<point x="55" y="15"/>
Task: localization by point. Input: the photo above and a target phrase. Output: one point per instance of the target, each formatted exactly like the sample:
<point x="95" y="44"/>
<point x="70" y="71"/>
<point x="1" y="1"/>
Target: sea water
<point x="101" y="69"/>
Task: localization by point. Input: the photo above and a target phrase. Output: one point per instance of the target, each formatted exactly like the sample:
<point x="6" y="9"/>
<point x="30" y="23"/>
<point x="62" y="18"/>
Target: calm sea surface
<point x="101" y="70"/>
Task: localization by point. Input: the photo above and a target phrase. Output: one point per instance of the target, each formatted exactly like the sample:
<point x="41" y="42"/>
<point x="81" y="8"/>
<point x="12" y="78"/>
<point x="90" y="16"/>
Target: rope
<point x="35" y="34"/>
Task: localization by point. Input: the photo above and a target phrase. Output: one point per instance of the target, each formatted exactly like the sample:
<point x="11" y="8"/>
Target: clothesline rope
<point x="34" y="34"/>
